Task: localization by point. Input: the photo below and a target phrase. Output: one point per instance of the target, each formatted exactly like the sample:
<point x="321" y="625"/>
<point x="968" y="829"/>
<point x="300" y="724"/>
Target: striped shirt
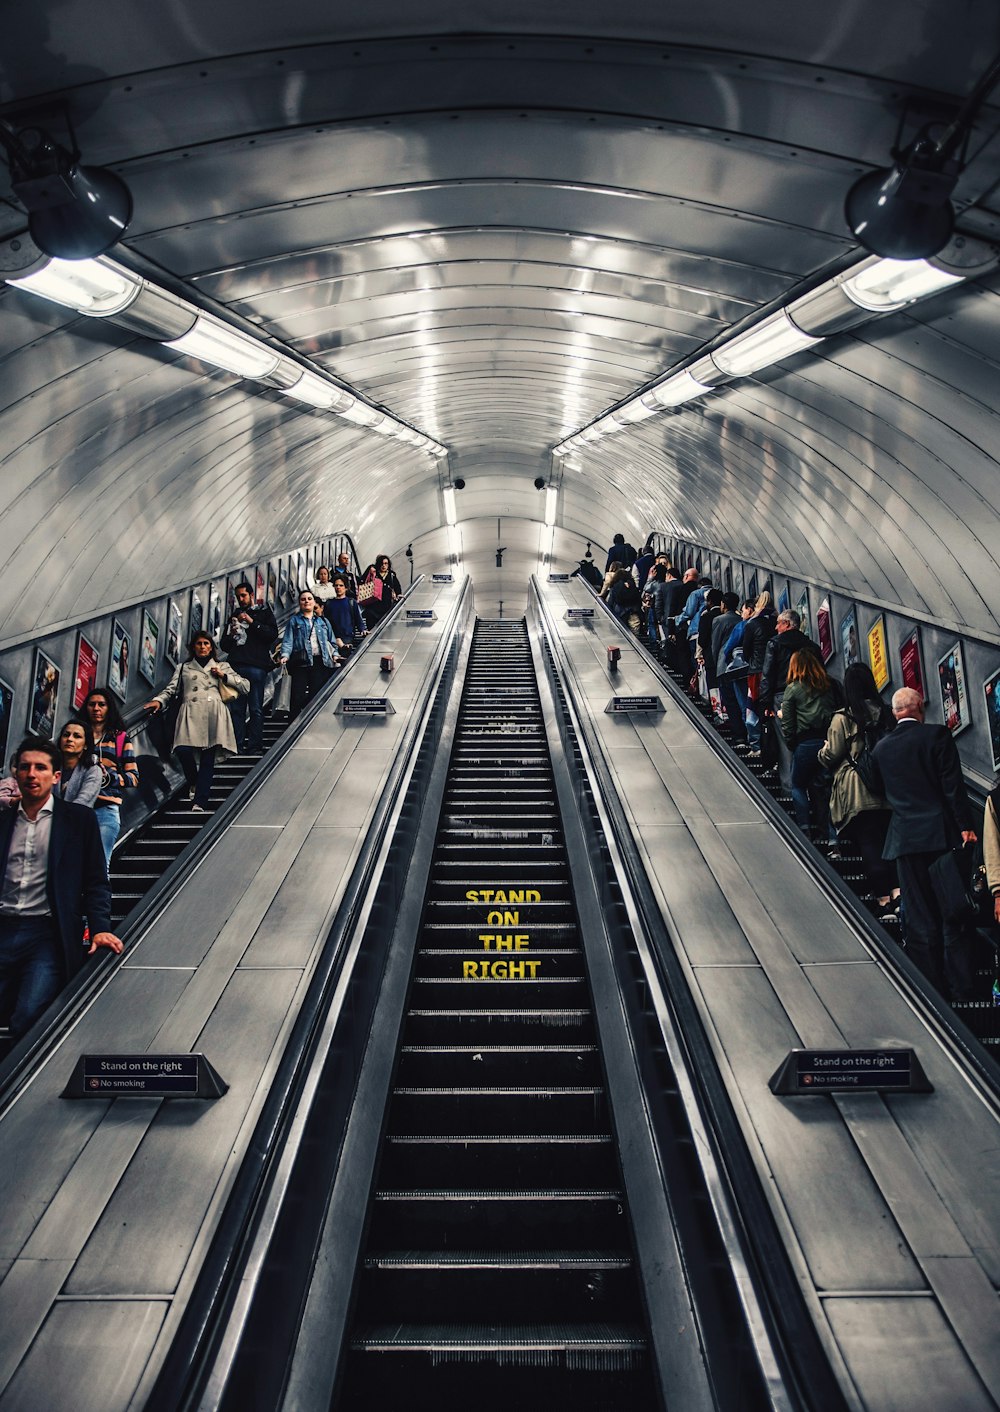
<point x="121" y="769"/>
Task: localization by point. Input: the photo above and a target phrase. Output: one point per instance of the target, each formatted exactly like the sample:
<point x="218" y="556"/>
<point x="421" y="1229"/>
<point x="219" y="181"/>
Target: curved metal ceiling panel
<point x="497" y="221"/>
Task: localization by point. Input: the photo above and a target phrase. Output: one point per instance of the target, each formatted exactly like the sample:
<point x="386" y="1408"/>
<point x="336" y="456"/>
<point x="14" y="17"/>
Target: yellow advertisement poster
<point x="877" y="653"/>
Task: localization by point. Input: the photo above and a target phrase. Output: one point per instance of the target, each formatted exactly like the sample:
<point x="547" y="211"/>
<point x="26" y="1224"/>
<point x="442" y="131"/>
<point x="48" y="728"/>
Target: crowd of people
<point x="60" y="805"/>
<point x="857" y="771"/>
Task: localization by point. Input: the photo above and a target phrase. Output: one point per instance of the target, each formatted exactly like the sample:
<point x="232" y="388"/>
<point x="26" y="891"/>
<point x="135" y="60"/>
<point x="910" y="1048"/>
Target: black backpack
<point x="863" y="763"/>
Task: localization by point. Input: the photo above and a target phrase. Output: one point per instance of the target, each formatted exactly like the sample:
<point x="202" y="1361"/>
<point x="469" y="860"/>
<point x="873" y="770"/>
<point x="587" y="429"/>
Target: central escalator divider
<point x="499" y="1267"/>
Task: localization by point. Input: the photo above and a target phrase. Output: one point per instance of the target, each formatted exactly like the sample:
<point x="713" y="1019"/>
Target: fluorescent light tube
<point x="682" y="387"/>
<point x="95" y="287"/>
<point x="635" y="411"/>
<point x="889" y="284"/>
<point x="215" y="342"/>
<point x="768" y="342"/>
<point x="551" y="499"/>
<point x="449" y="505"/>
<point x="317" y="392"/>
<point x="362" y="415"/>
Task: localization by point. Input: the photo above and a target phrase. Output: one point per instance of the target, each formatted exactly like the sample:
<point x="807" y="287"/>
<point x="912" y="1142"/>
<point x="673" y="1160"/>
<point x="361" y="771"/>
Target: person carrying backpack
<point x="857" y="811"/>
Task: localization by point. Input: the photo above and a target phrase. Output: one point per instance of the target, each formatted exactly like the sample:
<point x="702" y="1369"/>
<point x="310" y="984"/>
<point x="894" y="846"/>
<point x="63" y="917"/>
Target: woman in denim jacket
<point x="309" y="651"/>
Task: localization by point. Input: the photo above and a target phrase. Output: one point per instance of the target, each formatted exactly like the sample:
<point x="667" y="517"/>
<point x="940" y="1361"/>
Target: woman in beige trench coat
<point x="204" y="726"/>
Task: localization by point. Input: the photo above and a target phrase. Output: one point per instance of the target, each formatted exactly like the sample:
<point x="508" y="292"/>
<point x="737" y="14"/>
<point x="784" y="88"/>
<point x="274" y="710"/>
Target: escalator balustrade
<point x="499" y="1265"/>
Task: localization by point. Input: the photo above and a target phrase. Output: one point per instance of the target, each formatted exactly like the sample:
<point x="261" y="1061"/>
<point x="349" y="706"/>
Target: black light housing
<point x="904" y="212"/>
<point x="74" y="212"/>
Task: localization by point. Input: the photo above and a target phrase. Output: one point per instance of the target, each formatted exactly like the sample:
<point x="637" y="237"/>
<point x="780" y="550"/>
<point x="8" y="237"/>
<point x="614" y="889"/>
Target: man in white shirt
<point x="52" y="874"/>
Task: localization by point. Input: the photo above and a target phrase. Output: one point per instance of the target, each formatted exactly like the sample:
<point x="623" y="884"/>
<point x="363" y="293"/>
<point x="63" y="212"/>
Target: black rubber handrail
<point x="178" y="1381"/>
<point x="48" y="1032"/>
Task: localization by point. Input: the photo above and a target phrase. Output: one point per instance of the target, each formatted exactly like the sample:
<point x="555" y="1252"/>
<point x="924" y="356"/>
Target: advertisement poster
<point x="258" y="596"/>
<point x="991" y="689"/>
<point x="849" y="649"/>
<point x="6" y="711"/>
<point x="215" y="612"/>
<point x="300" y="575"/>
<point x="121" y="653"/>
<point x="282" y="580"/>
<point x="44" y="696"/>
<point x="878" y="653"/>
<point x="802" y="608"/>
<point x="752" y="586"/>
<point x="175" y="634"/>
<point x="147" y="651"/>
<point x="784" y="599"/>
<point x="85" y="676"/>
<point x="954" y="696"/>
<point x="910" y="666"/>
<point x="272" y="585"/>
<point x="197" y="621"/>
<point x="824" y="629"/>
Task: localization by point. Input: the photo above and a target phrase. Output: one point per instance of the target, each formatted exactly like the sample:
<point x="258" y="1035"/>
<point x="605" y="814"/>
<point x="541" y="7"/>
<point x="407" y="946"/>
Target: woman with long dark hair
<point x="386" y="590"/>
<point x="856" y="813"/>
<point x="116" y="758"/>
<point x="806" y="709"/>
<point x="80" y="777"/>
<point x="204" y="724"/>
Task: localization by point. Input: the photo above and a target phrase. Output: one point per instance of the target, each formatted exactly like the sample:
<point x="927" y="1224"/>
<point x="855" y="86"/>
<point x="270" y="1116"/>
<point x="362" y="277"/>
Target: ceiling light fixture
<point x="74" y="212"/>
<point x="103" y="288"/>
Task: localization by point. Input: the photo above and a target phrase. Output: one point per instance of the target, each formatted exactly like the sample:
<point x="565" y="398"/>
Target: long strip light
<point x="872" y="287"/>
<point x="551" y="500"/>
<point x="103" y="289"/>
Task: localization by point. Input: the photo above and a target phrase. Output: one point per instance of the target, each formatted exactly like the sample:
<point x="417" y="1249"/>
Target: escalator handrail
<point x="790" y="1352"/>
<point x="178" y="1382"/>
<point x="956" y="1038"/>
<point x="18" y="1068"/>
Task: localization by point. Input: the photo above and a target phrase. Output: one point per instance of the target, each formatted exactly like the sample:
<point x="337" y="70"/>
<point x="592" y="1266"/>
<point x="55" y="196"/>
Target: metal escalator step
<point x="481" y="1111"/>
<point x="509" y="1160"/>
<point x="426" y="1065"/>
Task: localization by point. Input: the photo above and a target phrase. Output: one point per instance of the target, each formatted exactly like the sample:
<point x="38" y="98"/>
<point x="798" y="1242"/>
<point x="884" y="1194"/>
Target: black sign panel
<point x="420" y="615"/>
<point x="367" y="706"/>
<point x="810" y="1071"/>
<point x="633" y="704"/>
<point x="144" y="1076"/>
<point x="558" y="578"/>
<point x="442" y="578"/>
<point x="579" y="612"/>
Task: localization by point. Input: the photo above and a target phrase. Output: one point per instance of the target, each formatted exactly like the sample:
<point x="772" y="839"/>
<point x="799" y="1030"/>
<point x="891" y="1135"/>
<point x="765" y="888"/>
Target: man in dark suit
<point x="52" y="874"/>
<point x="921" y="777"/>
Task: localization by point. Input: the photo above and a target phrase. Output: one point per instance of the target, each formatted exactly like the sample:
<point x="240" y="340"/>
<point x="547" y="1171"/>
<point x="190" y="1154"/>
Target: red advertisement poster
<point x="824" y="629"/>
<point x="911" y="668"/>
<point x="85" y="676"/>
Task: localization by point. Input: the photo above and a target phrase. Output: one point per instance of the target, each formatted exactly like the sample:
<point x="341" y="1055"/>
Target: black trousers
<point x="306" y="682"/>
<point x="867" y="832"/>
<point x="945" y="953"/>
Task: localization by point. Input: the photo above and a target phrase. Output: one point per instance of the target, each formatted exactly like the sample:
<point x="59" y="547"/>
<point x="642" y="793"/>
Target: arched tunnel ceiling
<point x="497" y="220"/>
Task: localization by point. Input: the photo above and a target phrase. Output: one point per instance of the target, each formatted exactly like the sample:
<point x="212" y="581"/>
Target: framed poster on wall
<point x="991" y="691"/>
<point x="259" y="586"/>
<point x="85" y="677"/>
<point x="215" y="611"/>
<point x="824" y="629"/>
<point x="911" y="667"/>
<point x="878" y="653"/>
<point x="802" y="608"/>
<point x="121" y="655"/>
<point x="44" y="696"/>
<point x="197" y="619"/>
<point x="784" y="598"/>
<point x="752" y="586"/>
<point x="954" y="695"/>
<point x="272" y="584"/>
<point x="6" y="712"/>
<point x="850" y="652"/>
<point x="175" y="633"/>
<point x="148" y="645"/>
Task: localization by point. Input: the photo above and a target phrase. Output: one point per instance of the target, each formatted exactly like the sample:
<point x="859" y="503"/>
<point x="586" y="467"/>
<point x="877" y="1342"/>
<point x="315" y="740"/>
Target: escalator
<point x="142" y="858"/>
<point x="498" y="1265"/>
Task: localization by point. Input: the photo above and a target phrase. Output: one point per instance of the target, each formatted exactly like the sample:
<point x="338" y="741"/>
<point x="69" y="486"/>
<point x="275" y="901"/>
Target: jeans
<point x="109" y="822"/>
<point x="31" y="969"/>
<point x="753" y="726"/>
<point x="198" y="773"/>
<point x="806" y="771"/>
<point x="307" y="682"/>
<point x="249" y="741"/>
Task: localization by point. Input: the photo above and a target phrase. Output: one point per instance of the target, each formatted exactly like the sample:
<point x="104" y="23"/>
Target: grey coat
<point x="203" y="719"/>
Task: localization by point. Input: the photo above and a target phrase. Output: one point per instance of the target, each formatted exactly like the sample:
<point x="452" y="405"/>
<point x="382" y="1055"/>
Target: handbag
<point x="959" y="905"/>
<point x="298" y="657"/>
<point x="227" y="692"/>
<point x="369" y="589"/>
